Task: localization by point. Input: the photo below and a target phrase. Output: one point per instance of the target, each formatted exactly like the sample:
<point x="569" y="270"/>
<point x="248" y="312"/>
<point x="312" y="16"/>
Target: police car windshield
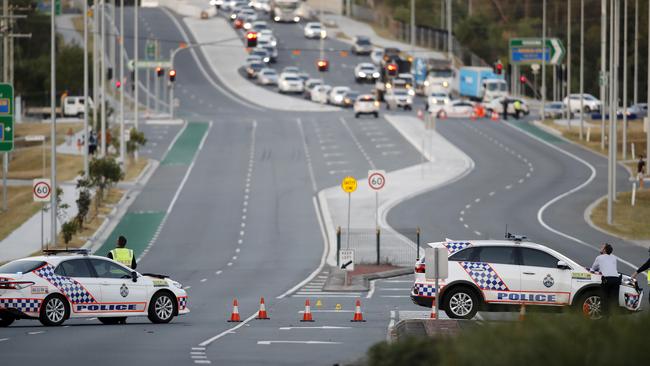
<point x="21" y="266"/>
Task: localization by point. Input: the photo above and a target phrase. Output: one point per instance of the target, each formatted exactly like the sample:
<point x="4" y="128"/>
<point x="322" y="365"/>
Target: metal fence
<point x="426" y="37"/>
<point x="381" y="246"/>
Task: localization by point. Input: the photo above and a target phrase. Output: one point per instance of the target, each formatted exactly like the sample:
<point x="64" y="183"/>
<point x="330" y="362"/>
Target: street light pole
<point x="450" y="45"/>
<point x="568" y="64"/>
<point x="603" y="69"/>
<point x="412" y="28"/>
<point x="136" y="36"/>
<point x="624" y="79"/>
<point x="541" y="112"/>
<point x="102" y="75"/>
<point x="636" y="52"/>
<point x="53" y="195"/>
<point x="85" y="133"/>
<point x="122" y="142"/>
<point x="582" y="66"/>
<point x="611" y="163"/>
<point x="647" y="140"/>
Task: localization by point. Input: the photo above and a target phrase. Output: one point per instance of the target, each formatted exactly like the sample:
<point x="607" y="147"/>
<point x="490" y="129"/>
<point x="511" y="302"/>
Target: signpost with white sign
<point x="437" y="268"/>
<point x="42" y="190"/>
<point x="349" y="185"/>
<point x="346" y="259"/>
<point x="376" y="181"/>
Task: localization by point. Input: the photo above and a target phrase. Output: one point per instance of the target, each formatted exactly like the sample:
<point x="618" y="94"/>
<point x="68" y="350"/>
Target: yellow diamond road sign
<point x="349" y="184"/>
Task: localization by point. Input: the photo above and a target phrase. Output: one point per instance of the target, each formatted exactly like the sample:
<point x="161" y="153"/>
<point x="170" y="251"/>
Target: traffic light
<point x="160" y="71"/>
<point x="323" y="65"/>
<point x="391" y="69"/>
<point x="118" y="84"/>
<point x="498" y="67"/>
<point x="251" y="39"/>
<point x="522" y="79"/>
<point x="172" y="75"/>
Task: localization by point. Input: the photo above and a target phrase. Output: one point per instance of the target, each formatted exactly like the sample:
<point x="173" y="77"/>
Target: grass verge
<point x="21" y="207"/>
<point x="631" y="222"/>
<point x="134" y="169"/>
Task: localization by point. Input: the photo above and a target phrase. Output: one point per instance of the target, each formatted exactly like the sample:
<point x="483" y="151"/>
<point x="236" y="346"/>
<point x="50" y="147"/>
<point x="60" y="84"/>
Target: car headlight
<point x="338" y="98"/>
<point x="376" y="104"/>
<point x="323" y="34"/>
<point x="277" y="19"/>
<point x="411" y="92"/>
<point x="388" y="86"/>
<point x="233" y="16"/>
<point x="426" y="83"/>
<point x="296" y="19"/>
<point x="247" y="26"/>
<point x="375" y="75"/>
<point x="267" y="59"/>
<point x="362" y="74"/>
<point x="274" y="43"/>
<point x="445" y="84"/>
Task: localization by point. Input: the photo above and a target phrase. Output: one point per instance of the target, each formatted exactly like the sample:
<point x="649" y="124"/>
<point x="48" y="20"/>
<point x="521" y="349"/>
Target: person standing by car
<point x="606" y="264"/>
<point x="640" y="170"/>
<point x="517" y="105"/>
<point x="505" y="103"/>
<point x="122" y="254"/>
<point x="644" y="267"/>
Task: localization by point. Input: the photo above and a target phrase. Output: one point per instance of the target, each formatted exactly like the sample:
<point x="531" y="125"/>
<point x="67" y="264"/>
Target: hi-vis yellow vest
<point x="123" y="255"/>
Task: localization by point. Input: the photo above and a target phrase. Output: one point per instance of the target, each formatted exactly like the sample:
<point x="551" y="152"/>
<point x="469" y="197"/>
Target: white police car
<point x="492" y="274"/>
<point x="54" y="288"/>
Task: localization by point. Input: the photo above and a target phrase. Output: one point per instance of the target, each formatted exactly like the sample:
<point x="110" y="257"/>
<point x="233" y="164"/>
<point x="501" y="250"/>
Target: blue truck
<point x="481" y="83"/>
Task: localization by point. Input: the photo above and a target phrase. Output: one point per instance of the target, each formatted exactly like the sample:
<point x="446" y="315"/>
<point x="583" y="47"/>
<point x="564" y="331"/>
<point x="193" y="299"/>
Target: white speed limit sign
<point x="376" y="179"/>
<point x="42" y="189"/>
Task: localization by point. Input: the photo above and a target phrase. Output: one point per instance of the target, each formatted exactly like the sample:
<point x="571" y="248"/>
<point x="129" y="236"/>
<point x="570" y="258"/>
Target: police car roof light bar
<point x="515" y="237"/>
<point x="72" y="251"/>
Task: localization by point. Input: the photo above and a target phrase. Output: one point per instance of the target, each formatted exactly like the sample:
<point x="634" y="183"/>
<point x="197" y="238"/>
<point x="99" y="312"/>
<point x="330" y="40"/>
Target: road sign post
<point x="346" y="260"/>
<point x="41" y="190"/>
<point x="436" y="270"/>
<point x="376" y="181"/>
<point x="349" y="185"/>
<point x="6" y="133"/>
<point x="526" y="51"/>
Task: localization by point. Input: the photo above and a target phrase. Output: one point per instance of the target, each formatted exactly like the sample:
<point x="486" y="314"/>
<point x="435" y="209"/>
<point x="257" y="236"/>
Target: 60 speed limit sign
<point x="42" y="189"/>
<point x="376" y="179"/>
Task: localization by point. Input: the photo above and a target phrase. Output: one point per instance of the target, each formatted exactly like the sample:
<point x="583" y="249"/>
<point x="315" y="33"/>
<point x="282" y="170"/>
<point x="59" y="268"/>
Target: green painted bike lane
<point x="141" y="227"/>
<point x="536" y="131"/>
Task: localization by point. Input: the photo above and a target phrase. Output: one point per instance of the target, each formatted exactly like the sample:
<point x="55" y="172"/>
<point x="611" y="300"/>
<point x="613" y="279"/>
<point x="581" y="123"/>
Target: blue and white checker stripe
<point x="484" y="276"/>
<point x="75" y="292"/>
<point x="24" y="305"/>
<point x="632" y="301"/>
<point x="182" y="303"/>
<point x="454" y="246"/>
<point x="424" y="290"/>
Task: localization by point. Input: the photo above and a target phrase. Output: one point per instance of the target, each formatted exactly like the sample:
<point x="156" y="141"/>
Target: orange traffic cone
<point x="358" y="316"/>
<point x="433" y="310"/>
<point x="522" y="312"/>
<point x="234" y="317"/>
<point x="495" y="116"/>
<point x="262" y="313"/>
<point x="306" y="316"/>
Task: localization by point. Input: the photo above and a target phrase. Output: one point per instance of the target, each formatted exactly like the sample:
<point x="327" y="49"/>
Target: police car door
<point x="496" y="273"/>
<point x="76" y="281"/>
<point x="119" y="293"/>
<point x="541" y="280"/>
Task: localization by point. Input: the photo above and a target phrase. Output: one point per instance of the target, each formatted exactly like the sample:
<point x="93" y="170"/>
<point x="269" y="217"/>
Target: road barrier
<point x="398" y="248"/>
<point x="261" y="314"/>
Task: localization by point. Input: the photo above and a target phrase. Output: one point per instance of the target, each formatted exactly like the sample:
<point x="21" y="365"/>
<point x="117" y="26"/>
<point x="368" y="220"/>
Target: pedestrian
<point x="122" y="254"/>
<point x="645" y="266"/>
<point x="606" y="264"/>
<point x="92" y="143"/>
<point x="640" y="170"/>
<point x="517" y="105"/>
<point x="79" y="145"/>
<point x="505" y="103"/>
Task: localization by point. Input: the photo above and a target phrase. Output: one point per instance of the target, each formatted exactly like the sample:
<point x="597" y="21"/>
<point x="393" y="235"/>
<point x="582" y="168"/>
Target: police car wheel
<point x="461" y="303"/>
<point x="6" y="320"/>
<point x="113" y="320"/>
<point x="162" y="308"/>
<point x="590" y="305"/>
<point x="54" y="310"/>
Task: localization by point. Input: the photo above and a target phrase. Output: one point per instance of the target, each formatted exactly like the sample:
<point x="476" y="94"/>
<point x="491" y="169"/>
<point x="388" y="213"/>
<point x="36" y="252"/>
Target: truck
<point x="287" y="11"/>
<point x="73" y="106"/>
<point x="440" y="78"/>
<point x="393" y="57"/>
<point x="481" y="84"/>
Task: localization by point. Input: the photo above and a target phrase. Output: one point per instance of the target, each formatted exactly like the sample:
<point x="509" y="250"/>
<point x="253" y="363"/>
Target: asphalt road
<point x="234" y="215"/>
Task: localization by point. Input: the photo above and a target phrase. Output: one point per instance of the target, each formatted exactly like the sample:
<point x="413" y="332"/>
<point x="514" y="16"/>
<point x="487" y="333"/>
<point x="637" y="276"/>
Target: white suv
<point x="366" y="104"/>
<point x="590" y="103"/>
<point x="492" y="274"/>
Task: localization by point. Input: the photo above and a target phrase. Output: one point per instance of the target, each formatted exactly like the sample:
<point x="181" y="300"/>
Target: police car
<point x="495" y="275"/>
<point x="54" y="288"/>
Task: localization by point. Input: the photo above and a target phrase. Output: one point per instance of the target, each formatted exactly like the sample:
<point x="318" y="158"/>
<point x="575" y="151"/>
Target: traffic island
<point x="432" y="328"/>
<point x="359" y="279"/>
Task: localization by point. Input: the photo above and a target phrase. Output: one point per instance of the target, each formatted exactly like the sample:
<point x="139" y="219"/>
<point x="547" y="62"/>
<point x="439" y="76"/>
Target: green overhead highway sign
<point x="526" y="51"/>
<point x="6" y="117"/>
<point x="149" y="64"/>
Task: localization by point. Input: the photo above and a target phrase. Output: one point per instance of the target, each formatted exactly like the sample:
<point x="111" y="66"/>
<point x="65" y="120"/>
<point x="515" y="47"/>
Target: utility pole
<point x="450" y="44"/>
<point x="53" y="196"/>
<point x="603" y="69"/>
<point x="636" y="52"/>
<point x="568" y="64"/>
<point x="612" y="115"/>
<point x="85" y="134"/>
<point x="5" y="78"/>
<point x="122" y="142"/>
<point x="647" y="140"/>
<point x="582" y="67"/>
<point x="541" y="112"/>
<point x="624" y="79"/>
<point x="102" y="75"/>
<point x="136" y="36"/>
<point x="413" y="28"/>
<point x="95" y="63"/>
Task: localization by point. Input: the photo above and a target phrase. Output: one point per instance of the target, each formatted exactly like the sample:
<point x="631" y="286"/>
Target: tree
<point x="104" y="173"/>
<point x="83" y="202"/>
<point x="136" y="140"/>
<point x="68" y="229"/>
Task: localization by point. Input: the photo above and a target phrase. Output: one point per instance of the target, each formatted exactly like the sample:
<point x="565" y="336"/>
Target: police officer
<point x="606" y="264"/>
<point x="517" y="105"/>
<point x="122" y="254"/>
<point x="643" y="267"/>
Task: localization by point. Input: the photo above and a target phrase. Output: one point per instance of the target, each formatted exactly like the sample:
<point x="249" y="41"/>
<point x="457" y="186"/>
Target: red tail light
<point x="420" y="268"/>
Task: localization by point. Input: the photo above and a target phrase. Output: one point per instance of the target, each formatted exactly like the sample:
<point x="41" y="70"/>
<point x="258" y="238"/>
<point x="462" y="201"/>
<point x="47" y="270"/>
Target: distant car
<point x="437" y="100"/>
<point x="291" y="70"/>
<point x="267" y="76"/>
<point x="315" y="30"/>
<point x="361" y="45"/>
<point x="235" y="13"/>
<point x="398" y="98"/>
<point x="366" y="104"/>
<point x="259" y="25"/>
<point x="320" y="94"/>
<point x="366" y="71"/>
<point x="262" y="53"/>
<point x="267" y="35"/>
<point x="349" y="98"/>
<point x="376" y="56"/>
<point x="310" y="84"/>
<point x="409" y="82"/>
<point x="496" y="105"/>
<point x="554" y="110"/>
<point x="456" y="108"/>
<point x="253" y="68"/>
<point x="591" y="103"/>
<point x="290" y="83"/>
<point x="640" y="110"/>
<point x="55" y="288"/>
<point x="272" y="50"/>
<point x="304" y="76"/>
<point x="217" y="3"/>
<point x="336" y="95"/>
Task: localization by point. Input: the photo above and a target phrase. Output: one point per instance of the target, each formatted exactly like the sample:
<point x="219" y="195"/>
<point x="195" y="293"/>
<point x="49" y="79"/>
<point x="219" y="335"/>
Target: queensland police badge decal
<point x="548" y="281"/>
<point x="124" y="291"/>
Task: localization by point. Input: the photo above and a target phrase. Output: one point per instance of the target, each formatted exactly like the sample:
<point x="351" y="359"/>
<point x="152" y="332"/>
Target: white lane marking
<point x="187" y="173"/>
<point x="492" y="193"/>
<point x="391" y="324"/>
<point x="38" y="332"/>
<point x="204" y="279"/>
<point x="237" y="250"/>
<point x="198" y="357"/>
<point x="218" y="272"/>
<point x="468" y="205"/>
<point x="198" y="348"/>
<point x="229" y="264"/>
<point x="321" y="327"/>
<point x="379" y="139"/>
<point x="385" y="153"/>
<point x="4" y="339"/>
<point x="521" y="180"/>
<point x="378" y="133"/>
<point x="202" y="361"/>
<point x="508" y="186"/>
<point x="478" y="233"/>
<point x="356" y="141"/>
<point x="462" y="212"/>
<point x="466" y="226"/>
<point x="234" y="257"/>
<point x="197" y="353"/>
<point x="241" y="233"/>
<point x="371" y="291"/>
<point x="381" y="146"/>
<point x="322" y="259"/>
<point x="329" y="147"/>
<point x="334" y="154"/>
<point x="310" y="167"/>
<point x="395" y="296"/>
<point x="340" y="171"/>
<point x="209" y="341"/>
<point x="339" y="162"/>
<point x="267" y="343"/>
<point x="461" y="219"/>
<point x="540" y="213"/>
<point x="527" y="175"/>
<point x="477" y="200"/>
